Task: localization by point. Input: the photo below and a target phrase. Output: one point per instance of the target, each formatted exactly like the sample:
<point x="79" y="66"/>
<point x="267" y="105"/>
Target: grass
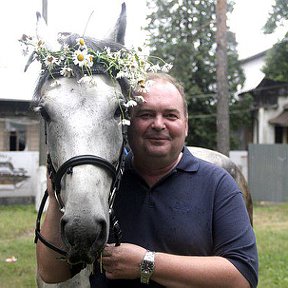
<point x="17" y="233"/>
<point x="16" y="239"/>
<point x="271" y="228"/>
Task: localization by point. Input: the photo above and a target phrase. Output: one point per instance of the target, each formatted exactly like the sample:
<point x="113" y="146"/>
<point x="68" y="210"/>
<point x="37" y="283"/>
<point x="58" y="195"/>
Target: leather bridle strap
<point x="67" y="167"/>
<point x="38" y="235"/>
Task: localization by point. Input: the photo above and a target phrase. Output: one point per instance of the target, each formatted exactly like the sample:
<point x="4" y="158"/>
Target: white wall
<point x="266" y="130"/>
<point x="26" y="160"/>
<point x="253" y="73"/>
<point x="240" y="158"/>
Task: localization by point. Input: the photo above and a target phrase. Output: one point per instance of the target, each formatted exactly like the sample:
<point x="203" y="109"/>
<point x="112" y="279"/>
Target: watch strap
<point x="147" y="267"/>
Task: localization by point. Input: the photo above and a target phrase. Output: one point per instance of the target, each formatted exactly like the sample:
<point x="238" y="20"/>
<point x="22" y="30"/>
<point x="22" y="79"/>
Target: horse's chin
<point x="82" y="257"/>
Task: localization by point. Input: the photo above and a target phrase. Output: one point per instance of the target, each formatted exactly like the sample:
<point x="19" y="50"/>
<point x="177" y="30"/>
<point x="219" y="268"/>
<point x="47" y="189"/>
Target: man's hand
<point x="122" y="262"/>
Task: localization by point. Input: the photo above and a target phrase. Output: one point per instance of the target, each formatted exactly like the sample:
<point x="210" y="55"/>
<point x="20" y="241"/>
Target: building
<point x="19" y="126"/>
<point x="270" y="101"/>
<point x="19" y="151"/>
<point x="268" y="143"/>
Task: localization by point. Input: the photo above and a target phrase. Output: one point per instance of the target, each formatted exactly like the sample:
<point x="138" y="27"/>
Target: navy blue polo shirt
<point x="196" y="210"/>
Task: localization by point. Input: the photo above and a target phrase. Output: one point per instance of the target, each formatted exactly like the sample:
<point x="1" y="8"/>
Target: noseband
<point x="67" y="168"/>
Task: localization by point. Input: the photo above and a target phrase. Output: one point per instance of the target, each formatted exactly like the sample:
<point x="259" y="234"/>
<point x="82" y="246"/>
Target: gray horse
<point x="85" y="142"/>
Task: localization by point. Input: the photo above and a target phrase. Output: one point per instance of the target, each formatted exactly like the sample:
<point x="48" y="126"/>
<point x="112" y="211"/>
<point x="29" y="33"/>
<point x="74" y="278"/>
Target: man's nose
<point x="158" y="123"/>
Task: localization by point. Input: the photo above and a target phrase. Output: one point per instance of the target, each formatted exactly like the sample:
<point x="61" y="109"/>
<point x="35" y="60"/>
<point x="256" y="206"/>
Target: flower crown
<point x="123" y="63"/>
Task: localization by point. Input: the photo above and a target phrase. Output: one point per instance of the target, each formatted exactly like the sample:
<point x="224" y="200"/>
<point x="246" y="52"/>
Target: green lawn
<point x="271" y="228"/>
<point x="16" y="239"/>
<point x="17" y="234"/>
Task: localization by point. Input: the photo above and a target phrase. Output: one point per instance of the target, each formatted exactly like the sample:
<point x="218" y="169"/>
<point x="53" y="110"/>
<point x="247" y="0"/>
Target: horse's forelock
<point x="92" y="43"/>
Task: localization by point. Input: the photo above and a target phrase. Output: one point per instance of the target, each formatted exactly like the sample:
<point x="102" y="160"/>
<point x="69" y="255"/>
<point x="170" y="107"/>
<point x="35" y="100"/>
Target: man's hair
<point x="168" y="78"/>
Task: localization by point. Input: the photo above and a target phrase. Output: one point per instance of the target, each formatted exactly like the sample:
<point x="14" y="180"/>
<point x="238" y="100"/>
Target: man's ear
<point x="186" y="127"/>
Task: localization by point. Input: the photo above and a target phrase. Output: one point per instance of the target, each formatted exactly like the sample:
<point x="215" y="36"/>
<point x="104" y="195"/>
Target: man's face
<point x="159" y="125"/>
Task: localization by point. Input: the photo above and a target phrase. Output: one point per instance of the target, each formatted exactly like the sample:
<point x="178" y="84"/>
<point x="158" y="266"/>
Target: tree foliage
<point x="276" y="64"/>
<point x="277" y="17"/>
<point x="183" y="32"/>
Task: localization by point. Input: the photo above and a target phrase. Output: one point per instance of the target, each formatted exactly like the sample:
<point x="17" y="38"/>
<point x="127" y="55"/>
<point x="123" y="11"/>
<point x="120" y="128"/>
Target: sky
<point x="247" y="21"/>
<point x="18" y="17"/>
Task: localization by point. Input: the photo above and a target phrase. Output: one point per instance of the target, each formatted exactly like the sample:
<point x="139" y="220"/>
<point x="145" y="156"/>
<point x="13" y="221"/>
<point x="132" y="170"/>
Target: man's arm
<point x="49" y="267"/>
<point x="186" y="271"/>
<point x="123" y="262"/>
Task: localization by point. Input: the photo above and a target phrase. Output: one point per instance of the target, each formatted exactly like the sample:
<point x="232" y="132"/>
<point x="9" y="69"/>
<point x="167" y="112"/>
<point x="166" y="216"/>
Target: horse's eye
<point x="44" y="114"/>
<point x="117" y="113"/>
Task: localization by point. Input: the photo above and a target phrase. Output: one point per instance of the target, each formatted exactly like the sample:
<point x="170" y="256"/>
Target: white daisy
<point x="50" y="61"/>
<point x="125" y="122"/>
<point x="67" y="72"/>
<point x="89" y="60"/>
<point x="130" y="103"/>
<point x="79" y="57"/>
<point x="167" y="67"/>
<point x="139" y="99"/>
<point x="81" y="43"/>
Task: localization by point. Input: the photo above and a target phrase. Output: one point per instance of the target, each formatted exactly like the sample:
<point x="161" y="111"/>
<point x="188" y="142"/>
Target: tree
<point x="277" y="17"/>
<point x="223" y="135"/>
<point x="276" y="64"/>
<point x="183" y="32"/>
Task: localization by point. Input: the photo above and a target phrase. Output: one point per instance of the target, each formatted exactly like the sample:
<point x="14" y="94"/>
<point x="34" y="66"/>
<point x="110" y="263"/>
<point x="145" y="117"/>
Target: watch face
<point x="147" y="266"/>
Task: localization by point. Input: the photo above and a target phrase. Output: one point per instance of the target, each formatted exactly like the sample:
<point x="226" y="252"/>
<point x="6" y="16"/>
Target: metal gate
<point x="268" y="172"/>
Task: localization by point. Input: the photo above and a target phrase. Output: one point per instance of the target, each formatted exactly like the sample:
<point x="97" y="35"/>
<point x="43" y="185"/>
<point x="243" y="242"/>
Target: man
<point x="183" y="220"/>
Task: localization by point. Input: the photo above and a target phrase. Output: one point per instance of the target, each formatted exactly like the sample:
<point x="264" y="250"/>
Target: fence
<point x="268" y="172"/>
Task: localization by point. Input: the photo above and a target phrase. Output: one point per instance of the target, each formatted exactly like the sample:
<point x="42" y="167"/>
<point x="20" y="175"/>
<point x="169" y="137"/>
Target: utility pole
<point x="45" y="10"/>
<point x="223" y="126"/>
<point x="42" y="144"/>
<point x="42" y="183"/>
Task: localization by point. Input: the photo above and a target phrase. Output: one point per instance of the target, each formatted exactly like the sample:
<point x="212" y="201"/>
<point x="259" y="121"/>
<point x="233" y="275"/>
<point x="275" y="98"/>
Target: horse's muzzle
<point x="84" y="238"/>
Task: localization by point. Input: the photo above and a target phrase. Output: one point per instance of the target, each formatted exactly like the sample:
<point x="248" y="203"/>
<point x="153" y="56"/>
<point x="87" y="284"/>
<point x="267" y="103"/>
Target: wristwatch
<point x="147" y="267"/>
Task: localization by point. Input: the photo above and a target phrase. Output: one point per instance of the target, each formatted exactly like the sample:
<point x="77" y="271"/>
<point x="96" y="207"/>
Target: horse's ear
<point x="118" y="33"/>
<point x="44" y="34"/>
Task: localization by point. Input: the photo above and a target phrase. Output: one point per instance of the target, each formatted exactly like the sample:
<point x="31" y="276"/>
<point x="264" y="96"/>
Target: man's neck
<point x="153" y="171"/>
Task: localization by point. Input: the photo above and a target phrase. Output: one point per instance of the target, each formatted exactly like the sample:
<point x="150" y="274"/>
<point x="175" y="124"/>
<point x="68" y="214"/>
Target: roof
<point x="282" y="118"/>
<point x="253" y="57"/>
<point x="266" y="84"/>
<point x="14" y="107"/>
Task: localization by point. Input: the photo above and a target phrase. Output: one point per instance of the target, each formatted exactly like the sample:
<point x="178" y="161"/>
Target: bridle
<point x="67" y="168"/>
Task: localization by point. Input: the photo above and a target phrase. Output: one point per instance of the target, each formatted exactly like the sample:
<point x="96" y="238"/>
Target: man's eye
<point x="172" y="116"/>
<point x="145" y="116"/>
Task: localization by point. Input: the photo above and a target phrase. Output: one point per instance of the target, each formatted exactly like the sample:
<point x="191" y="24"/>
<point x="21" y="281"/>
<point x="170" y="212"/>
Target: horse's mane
<point x="96" y="45"/>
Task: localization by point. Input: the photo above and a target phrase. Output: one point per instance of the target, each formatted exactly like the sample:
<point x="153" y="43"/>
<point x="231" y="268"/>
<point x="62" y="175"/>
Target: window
<point x="16" y="133"/>
<point x="17" y="140"/>
<point x="278" y="134"/>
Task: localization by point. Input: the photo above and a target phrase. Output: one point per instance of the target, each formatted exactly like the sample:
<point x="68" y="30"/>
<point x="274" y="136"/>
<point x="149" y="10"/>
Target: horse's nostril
<point x="66" y="232"/>
<point x="102" y="232"/>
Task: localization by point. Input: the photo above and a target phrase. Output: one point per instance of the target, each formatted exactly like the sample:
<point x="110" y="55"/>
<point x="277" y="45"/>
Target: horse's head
<point x="83" y="119"/>
<point x="84" y="92"/>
